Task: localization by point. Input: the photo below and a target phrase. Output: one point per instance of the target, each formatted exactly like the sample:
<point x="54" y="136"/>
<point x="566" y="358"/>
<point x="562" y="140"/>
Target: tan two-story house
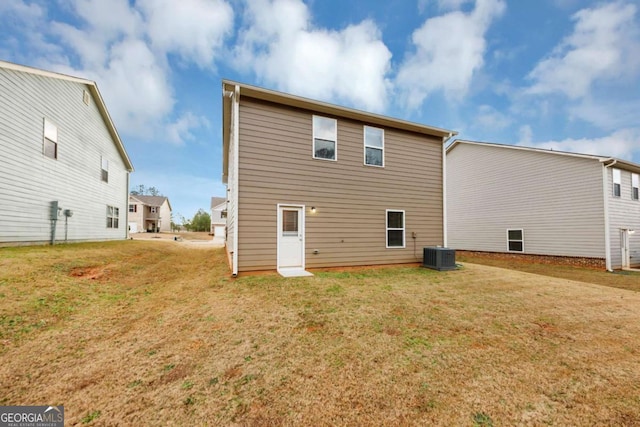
<point x="149" y="213"/>
<point x="312" y="184"/>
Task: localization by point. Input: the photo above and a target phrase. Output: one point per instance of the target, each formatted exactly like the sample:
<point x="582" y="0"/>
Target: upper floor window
<point x="325" y="139"/>
<point x="515" y="240"/>
<point x="395" y="229"/>
<point x="113" y="216"/>
<point x="133" y="208"/>
<point x="50" y="139"/>
<point x="635" y="184"/>
<point x="617" y="182"/>
<point x="105" y="169"/>
<point x="373" y="146"/>
<point x="153" y="209"/>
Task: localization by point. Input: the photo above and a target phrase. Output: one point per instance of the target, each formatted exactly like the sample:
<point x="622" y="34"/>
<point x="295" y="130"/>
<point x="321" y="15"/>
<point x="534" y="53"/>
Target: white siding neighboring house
<point x="512" y="199"/>
<point x="65" y="172"/>
<point x="149" y="213"/>
<point x="218" y="216"/>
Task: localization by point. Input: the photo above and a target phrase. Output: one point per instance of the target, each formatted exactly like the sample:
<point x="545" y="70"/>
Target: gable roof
<point x="217" y="201"/>
<point x="150" y="200"/>
<point x="93" y="89"/>
<point x="607" y="161"/>
<point x="229" y="87"/>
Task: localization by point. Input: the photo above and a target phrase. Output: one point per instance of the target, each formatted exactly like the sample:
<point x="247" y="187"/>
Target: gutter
<point x="444" y="188"/>
<point x="607" y="225"/>
<point x="235" y="111"/>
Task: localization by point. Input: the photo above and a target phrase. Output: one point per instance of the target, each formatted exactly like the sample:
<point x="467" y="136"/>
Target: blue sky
<point x="562" y="74"/>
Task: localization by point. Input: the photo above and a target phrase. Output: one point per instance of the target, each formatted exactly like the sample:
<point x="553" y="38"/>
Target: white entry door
<point x="290" y="236"/>
<point x="624" y="237"/>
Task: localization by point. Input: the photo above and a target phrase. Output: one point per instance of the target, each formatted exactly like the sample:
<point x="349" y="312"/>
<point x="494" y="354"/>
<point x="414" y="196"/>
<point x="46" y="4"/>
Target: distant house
<point x="313" y="184"/>
<point x="65" y="171"/>
<point x="528" y="201"/>
<point x="149" y="213"/>
<point x="218" y="216"/>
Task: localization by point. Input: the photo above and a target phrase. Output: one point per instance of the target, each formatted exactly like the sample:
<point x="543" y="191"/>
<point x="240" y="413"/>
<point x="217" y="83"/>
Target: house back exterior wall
<point x="29" y="180"/>
<point x="624" y="213"/>
<point x="349" y="225"/>
<point x="556" y="200"/>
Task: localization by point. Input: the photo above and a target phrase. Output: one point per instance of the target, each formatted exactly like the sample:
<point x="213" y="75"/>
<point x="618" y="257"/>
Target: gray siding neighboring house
<point x="504" y="198"/>
<point x="218" y="216"/>
<point x="58" y="144"/>
<point x="312" y="184"/>
<point x="149" y="213"/>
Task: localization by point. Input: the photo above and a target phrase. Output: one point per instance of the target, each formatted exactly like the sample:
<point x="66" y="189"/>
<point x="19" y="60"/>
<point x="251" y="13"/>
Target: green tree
<point x="201" y="221"/>
<point x="141" y="190"/>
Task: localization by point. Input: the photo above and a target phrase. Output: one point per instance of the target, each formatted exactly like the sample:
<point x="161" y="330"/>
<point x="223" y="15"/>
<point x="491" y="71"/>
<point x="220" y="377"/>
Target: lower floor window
<point x="395" y="229"/>
<point x="515" y="240"/>
<point x="113" y="214"/>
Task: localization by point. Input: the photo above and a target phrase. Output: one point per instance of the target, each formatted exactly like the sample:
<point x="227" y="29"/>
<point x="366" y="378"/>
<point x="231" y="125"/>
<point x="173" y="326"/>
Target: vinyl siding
<point x="623" y="213"/>
<point x="557" y="201"/>
<point x="349" y="227"/>
<point x="29" y="181"/>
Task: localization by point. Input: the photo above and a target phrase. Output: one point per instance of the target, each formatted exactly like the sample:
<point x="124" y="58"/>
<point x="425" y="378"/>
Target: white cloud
<point x="490" y="118"/>
<point x="526" y="135"/>
<point x="622" y="144"/>
<point x="280" y="45"/>
<point x="194" y="29"/>
<point x="124" y="47"/>
<point x="179" y="131"/>
<point x="449" y="50"/>
<point x="22" y="11"/>
<point x="604" y="45"/>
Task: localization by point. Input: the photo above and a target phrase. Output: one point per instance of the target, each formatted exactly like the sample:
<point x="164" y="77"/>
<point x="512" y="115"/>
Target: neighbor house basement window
<point x="373" y="146"/>
<point x="105" y="169"/>
<point x="515" y="240"/>
<point x="113" y="215"/>
<point x="635" y="184"/>
<point x="325" y="140"/>
<point x="395" y="229"/>
<point x="617" y="181"/>
<point x="50" y="140"/>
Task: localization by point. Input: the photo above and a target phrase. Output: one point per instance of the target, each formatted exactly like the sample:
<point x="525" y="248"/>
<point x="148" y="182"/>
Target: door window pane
<point x="289" y="222"/>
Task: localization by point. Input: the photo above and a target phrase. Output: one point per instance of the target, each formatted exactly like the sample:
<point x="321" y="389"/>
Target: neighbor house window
<point x="105" y="170"/>
<point x="373" y="146"/>
<point x="50" y="142"/>
<point x="617" y="181"/>
<point x="113" y="215"/>
<point x="325" y="140"/>
<point x="395" y="229"/>
<point x="515" y="240"/>
<point x="635" y="184"/>
<point x="153" y="209"/>
<point x="133" y="208"/>
<point x="223" y="214"/>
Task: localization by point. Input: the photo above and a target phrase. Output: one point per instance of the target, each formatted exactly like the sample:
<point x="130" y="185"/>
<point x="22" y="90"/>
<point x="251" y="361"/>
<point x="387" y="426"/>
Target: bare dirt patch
<point x="167" y="337"/>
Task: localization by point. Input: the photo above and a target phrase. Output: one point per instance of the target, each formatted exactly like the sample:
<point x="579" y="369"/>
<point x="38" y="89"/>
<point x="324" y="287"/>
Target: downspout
<point x="444" y="189"/>
<point x="607" y="230"/>
<point x="235" y="112"/>
<point x="126" y="209"/>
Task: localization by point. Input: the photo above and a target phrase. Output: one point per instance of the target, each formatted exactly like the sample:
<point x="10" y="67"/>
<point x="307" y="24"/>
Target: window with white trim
<point x="325" y="140"/>
<point x="617" y="182"/>
<point x="515" y="240"/>
<point x="635" y="185"/>
<point x="373" y="146"/>
<point x="153" y="209"/>
<point x="105" y="169"/>
<point x="395" y="229"/>
<point x="113" y="216"/>
<point x="50" y="139"/>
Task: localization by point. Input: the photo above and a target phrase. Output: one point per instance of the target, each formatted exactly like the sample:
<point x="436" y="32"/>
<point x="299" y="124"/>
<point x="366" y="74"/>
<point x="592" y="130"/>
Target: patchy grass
<point x="147" y="333"/>
<point x="618" y="279"/>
